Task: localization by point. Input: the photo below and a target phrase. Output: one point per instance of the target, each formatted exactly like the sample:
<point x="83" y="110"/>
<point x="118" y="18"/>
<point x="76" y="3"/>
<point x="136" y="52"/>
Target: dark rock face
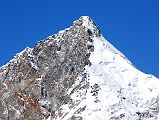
<point x="34" y="84"/>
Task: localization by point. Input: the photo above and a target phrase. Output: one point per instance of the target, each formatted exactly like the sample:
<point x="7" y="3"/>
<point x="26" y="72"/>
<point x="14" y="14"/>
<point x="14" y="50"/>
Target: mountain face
<point x="76" y="74"/>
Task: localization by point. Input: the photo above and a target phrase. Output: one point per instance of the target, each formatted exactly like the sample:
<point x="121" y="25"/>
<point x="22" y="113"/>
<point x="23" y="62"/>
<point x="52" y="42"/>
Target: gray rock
<point x="34" y="84"/>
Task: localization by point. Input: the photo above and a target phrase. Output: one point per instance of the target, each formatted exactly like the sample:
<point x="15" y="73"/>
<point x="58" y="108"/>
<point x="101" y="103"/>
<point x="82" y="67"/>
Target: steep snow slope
<point x="76" y="74"/>
<point x="117" y="90"/>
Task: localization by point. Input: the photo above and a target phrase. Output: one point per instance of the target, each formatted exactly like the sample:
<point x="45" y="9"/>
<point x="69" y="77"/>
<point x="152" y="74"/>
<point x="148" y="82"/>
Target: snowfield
<point x="117" y="89"/>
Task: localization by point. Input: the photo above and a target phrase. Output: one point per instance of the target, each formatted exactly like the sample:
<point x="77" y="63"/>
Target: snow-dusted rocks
<point x="76" y="75"/>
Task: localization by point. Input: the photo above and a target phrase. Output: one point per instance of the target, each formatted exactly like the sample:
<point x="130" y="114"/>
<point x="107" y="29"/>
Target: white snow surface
<point x="117" y="79"/>
<point x="123" y="91"/>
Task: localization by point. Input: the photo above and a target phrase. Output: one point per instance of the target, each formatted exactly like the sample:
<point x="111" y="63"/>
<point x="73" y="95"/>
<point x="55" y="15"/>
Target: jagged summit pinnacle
<point x="76" y="74"/>
<point x="87" y="22"/>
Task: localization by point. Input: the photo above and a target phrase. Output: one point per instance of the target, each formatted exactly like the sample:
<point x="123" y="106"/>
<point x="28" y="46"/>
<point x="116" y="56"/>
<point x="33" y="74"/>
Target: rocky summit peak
<point x="89" y="24"/>
<point x="76" y="74"/>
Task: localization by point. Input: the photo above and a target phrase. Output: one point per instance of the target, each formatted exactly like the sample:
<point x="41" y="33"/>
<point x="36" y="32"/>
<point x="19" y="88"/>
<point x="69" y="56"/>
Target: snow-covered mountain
<point x="76" y="74"/>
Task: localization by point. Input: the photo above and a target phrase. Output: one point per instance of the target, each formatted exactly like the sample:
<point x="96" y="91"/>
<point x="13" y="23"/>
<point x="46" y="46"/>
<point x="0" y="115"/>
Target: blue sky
<point x="131" y="26"/>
